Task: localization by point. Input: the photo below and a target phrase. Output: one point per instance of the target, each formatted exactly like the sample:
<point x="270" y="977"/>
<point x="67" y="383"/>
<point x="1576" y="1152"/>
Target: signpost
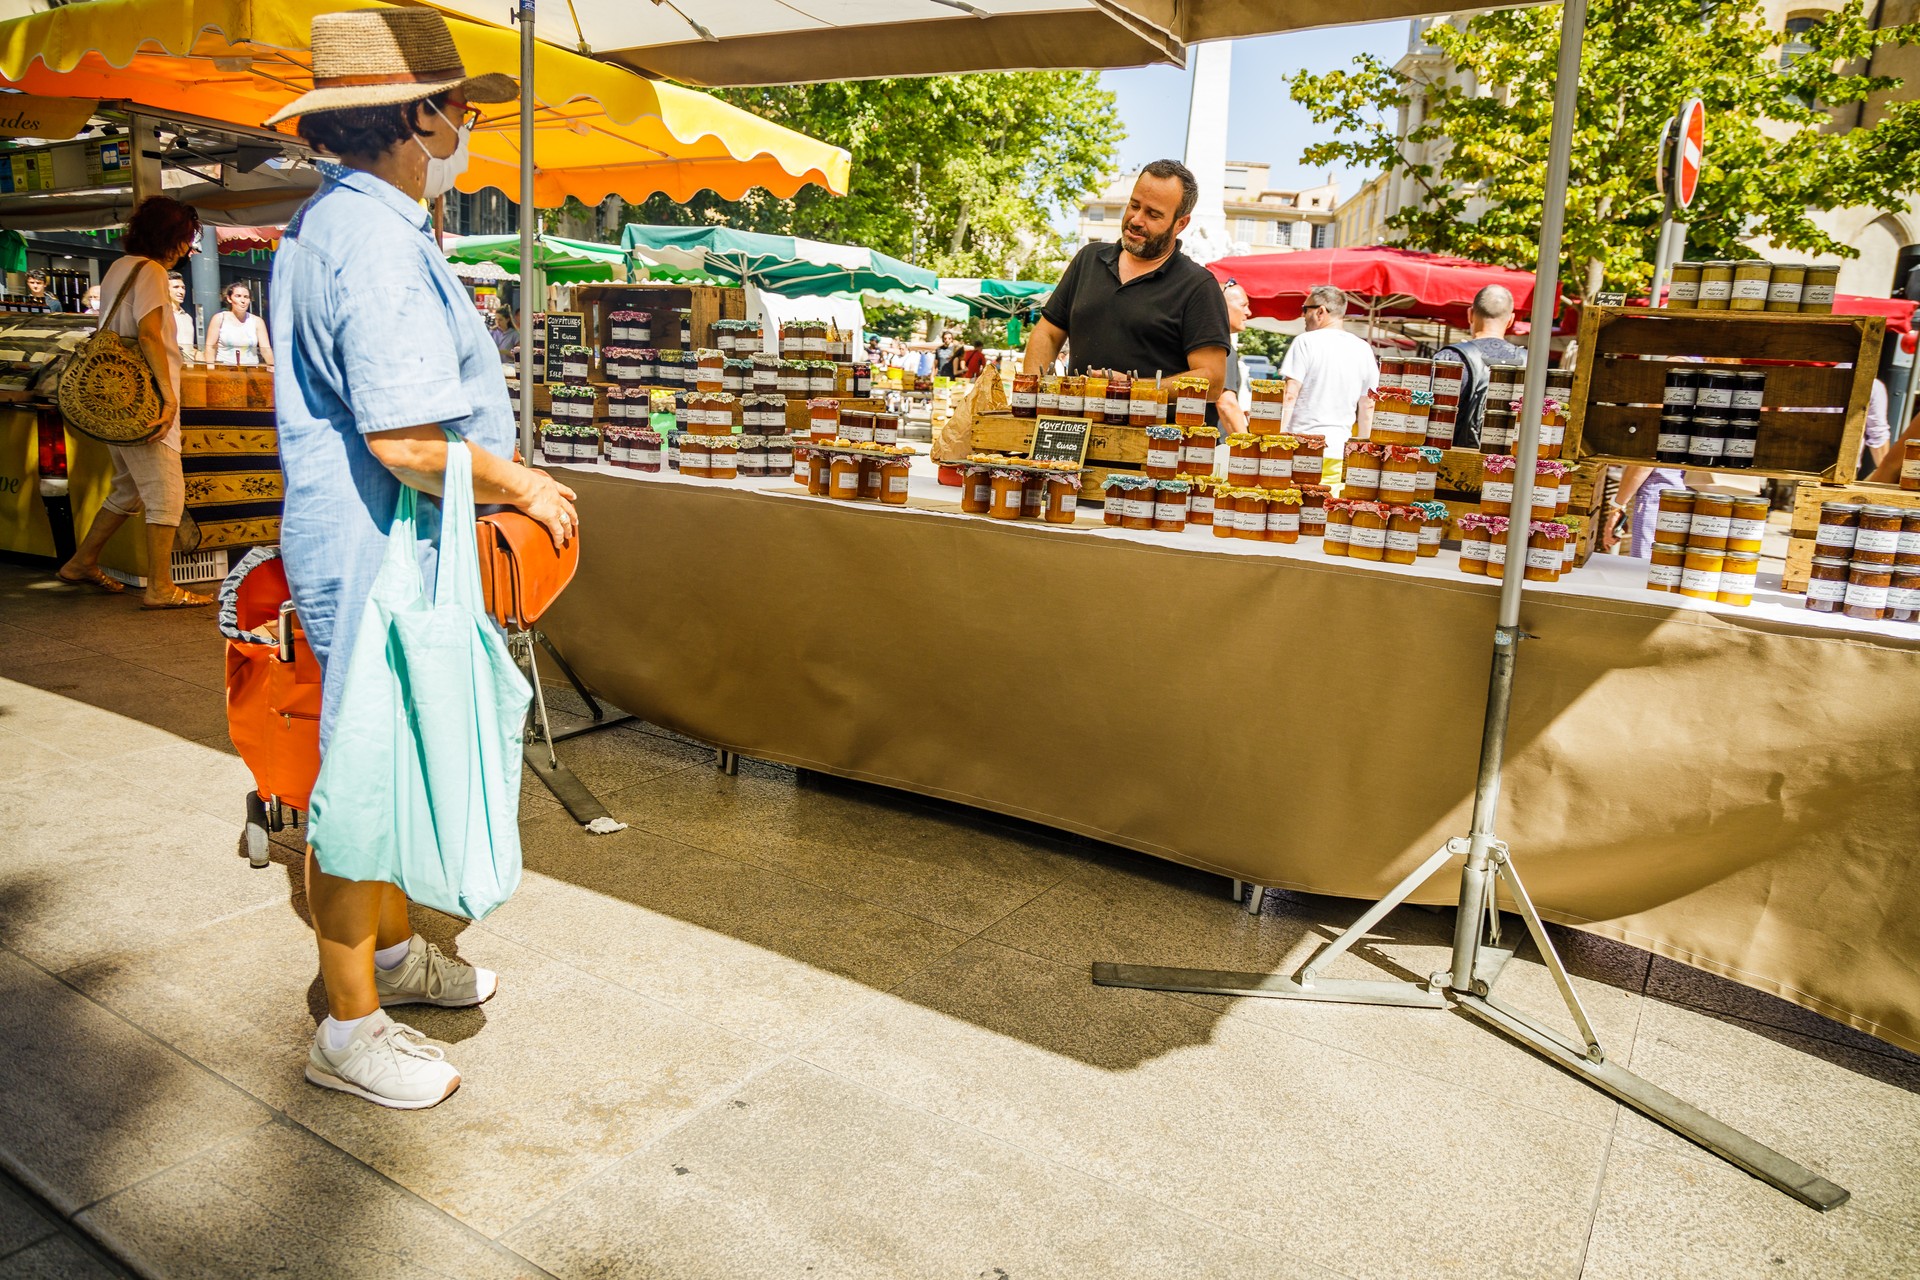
<point x="1677" y="175"/>
<point x="1060" y="440"/>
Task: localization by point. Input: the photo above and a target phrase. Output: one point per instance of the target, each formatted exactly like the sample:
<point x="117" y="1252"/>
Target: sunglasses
<point x="1312" y="306"/>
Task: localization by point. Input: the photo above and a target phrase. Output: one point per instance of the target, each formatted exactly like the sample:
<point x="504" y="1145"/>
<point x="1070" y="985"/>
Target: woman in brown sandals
<point x="146" y="477"/>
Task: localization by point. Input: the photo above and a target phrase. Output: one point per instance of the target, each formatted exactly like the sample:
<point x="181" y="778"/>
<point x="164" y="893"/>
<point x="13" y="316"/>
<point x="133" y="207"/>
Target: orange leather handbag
<point x="521" y="574"/>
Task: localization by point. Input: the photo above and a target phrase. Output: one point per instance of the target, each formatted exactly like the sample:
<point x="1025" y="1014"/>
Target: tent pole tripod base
<point x="1474" y="955"/>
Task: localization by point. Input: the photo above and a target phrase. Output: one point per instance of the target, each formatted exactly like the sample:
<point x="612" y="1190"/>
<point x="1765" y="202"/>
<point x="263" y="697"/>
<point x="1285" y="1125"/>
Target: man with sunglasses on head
<point x="1331" y="374"/>
<point x="1140" y="305"/>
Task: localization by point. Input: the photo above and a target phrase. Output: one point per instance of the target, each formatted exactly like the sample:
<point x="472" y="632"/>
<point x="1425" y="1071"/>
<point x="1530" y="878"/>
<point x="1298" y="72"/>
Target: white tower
<point x="1207" y="239"/>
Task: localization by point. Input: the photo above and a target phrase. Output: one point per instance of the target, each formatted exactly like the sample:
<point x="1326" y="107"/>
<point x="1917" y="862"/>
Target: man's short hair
<point x="1334" y="300"/>
<point x="1495" y="302"/>
<point x="175" y="276"/>
<point x="1189" y="186"/>
<point x="38" y="273"/>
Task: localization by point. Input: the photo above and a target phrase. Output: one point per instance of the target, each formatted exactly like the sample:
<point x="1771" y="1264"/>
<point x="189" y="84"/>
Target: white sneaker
<point x="386" y="1062"/>
<point x="427" y="976"/>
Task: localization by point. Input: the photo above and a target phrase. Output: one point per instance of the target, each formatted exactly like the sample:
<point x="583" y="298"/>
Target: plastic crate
<point x="188" y="567"/>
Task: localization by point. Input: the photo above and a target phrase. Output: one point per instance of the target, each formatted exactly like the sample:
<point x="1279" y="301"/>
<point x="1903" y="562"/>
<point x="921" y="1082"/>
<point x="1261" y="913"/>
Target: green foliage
<point x="963" y="175"/>
<point x="1264" y="342"/>
<point x="1769" y="159"/>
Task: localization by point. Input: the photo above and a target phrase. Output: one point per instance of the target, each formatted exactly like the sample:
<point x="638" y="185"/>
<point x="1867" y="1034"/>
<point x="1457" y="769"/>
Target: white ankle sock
<point x="337" y="1033"/>
<point x="390" y="957"/>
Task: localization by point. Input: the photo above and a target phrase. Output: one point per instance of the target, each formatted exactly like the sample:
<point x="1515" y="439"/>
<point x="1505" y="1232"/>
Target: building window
<point x="1236" y="179"/>
<point x="1795" y="46"/>
<point x="1096" y="214"/>
<point x="1323" y="235"/>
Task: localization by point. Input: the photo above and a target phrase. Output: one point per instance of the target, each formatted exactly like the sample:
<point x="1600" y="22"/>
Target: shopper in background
<point x="1330" y="374"/>
<point x="1139" y="305"/>
<point x="236" y="336"/>
<point x="146" y="477"/>
<point x="90" y="301"/>
<point x="1877" y="440"/>
<point x="506" y="338"/>
<point x="386" y="356"/>
<point x="973" y="361"/>
<point x="1488" y="320"/>
<point x="37" y="287"/>
<point x="945" y="354"/>
<point x="182" y="318"/>
<point x="1233" y="414"/>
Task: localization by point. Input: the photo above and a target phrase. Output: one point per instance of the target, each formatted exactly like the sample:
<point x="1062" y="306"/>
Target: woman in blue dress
<point x="382" y="355"/>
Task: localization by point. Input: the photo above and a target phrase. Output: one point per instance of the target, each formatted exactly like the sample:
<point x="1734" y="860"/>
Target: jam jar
<point x="1749" y="525"/>
<point x="1136" y="506"/>
<point x="1276" y="461"/>
<point x="1197" y="447"/>
<point x="1404" y="522"/>
<point x="1009" y="495"/>
<point x="1243" y="459"/>
<point x="1251" y="514"/>
<point x="1063" y="498"/>
<point x="1682" y="386"/>
<point x="1708" y="441"/>
<point x="1283" y="515"/>
<point x="1496" y="484"/>
<point x="1877" y="538"/>
<point x="1313" y="512"/>
<point x="1360" y="470"/>
<point x="1170" y="501"/>
<point x="1226" y="510"/>
<point x="1868" y="586"/>
<point x="1309" y="459"/>
<point x="1201" y="503"/>
<point x="1475" y="544"/>
<point x="1400" y="474"/>
<point x="1908" y="554"/>
<point x="1737" y="577"/>
<point x="1712" y="521"/>
<point x="1903" y="598"/>
<point x="1839" y="525"/>
<point x="1669" y="559"/>
<point x="1369" y="538"/>
<point x="1114" y="500"/>
<point x="1742" y="440"/>
<point x="1700" y="578"/>
<point x="1163" y="452"/>
<point x="1827" y="584"/>
<point x="843" y="476"/>
<point x="1676" y="429"/>
<point x="1338" y="537"/>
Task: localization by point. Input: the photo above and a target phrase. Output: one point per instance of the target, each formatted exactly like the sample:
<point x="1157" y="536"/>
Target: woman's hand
<point x="551" y="503"/>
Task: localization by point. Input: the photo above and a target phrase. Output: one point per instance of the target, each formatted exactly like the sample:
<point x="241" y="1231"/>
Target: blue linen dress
<point x="376" y="334"/>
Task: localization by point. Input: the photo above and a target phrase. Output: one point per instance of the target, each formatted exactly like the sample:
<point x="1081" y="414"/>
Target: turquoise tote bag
<point x="420" y="786"/>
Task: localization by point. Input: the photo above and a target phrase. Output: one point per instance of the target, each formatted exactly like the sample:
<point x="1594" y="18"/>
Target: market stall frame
<point x="1476" y="957"/>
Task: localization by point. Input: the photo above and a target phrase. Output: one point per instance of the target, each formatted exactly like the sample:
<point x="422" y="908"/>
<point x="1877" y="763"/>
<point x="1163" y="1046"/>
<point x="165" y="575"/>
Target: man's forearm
<point x="1043" y="348"/>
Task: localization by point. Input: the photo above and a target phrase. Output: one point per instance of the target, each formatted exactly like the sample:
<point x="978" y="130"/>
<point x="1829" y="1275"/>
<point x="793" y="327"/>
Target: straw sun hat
<point x="383" y="57"/>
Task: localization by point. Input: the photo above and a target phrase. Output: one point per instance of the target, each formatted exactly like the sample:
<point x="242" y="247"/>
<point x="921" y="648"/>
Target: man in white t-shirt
<point x="1330" y="374"/>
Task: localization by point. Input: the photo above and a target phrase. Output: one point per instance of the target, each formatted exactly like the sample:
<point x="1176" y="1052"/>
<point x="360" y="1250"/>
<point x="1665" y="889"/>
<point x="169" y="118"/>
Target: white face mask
<point x="443" y="170"/>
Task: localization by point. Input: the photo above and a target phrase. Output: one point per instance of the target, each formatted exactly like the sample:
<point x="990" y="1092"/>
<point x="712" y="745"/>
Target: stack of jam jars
<point x="1707" y="545"/>
<point x="1710" y="418"/>
<point x="1866" y="562"/>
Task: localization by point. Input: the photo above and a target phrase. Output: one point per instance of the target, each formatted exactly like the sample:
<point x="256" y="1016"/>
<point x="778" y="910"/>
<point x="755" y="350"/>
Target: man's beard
<point x="1151" y="246"/>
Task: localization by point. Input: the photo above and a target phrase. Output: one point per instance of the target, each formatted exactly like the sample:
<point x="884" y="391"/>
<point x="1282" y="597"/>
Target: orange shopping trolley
<point x="273" y="696"/>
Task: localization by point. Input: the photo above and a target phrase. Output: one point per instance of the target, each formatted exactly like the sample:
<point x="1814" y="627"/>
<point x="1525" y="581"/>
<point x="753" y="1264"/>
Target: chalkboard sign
<point x="1060" y="440"/>
<point x="564" y="329"/>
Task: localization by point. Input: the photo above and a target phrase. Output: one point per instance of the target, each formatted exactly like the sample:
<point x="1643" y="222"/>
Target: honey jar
<point x="1738" y="574"/>
<point x="1877" y="537"/>
<point x="1868" y="586"/>
<point x="1700" y="576"/>
<point x="1276" y="461"/>
<point x="1712" y="522"/>
<point x="1369" y="537"/>
<point x="1748" y="526"/>
<point x="1338" y="537"/>
<point x="1283" y="515"/>
<point x="1170" y="501"/>
<point x="1404" y="522"/>
<point x="1827" y="584"/>
<point x="1360" y="471"/>
<point x="1669" y="558"/>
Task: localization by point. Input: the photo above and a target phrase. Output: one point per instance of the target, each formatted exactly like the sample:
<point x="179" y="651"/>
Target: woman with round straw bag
<point x="123" y="388"/>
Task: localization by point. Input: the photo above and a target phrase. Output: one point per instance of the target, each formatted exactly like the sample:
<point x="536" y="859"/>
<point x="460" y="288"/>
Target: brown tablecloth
<point x="1739" y="796"/>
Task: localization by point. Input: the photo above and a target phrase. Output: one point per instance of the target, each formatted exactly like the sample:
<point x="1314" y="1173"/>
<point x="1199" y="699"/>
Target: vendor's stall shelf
<point x="1807" y="500"/>
<point x="707" y="302"/>
<point x="1819" y="371"/>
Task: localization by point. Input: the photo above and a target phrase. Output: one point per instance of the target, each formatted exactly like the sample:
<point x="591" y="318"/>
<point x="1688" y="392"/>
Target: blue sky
<point x="1263" y="122"/>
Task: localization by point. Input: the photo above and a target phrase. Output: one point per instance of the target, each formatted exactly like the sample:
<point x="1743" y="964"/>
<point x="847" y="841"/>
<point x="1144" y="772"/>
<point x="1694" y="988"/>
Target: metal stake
<point x="529" y="217"/>
<point x="1475" y="966"/>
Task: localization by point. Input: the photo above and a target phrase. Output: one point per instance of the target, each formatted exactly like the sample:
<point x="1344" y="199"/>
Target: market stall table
<point x="1280" y="716"/>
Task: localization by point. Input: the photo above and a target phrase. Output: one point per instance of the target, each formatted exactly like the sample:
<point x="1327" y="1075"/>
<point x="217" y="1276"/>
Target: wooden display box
<point x="1806" y="520"/>
<point x="1615" y="415"/>
<point x="1110" y="448"/>
<point x="709" y="303"/>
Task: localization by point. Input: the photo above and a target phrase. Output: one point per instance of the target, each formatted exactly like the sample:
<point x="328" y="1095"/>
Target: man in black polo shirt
<point x="1139" y="306"/>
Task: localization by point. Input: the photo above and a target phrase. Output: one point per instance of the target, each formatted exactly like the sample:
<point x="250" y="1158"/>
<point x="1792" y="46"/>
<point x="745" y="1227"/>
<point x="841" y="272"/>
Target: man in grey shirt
<point x="1233" y="414"/>
<point x="1488" y="320"/>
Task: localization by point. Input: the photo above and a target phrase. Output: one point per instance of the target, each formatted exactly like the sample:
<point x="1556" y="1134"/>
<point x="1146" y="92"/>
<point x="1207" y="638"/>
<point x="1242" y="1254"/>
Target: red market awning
<point x="1379" y="281"/>
<point x="248" y="239"/>
<point x="1898" y="311"/>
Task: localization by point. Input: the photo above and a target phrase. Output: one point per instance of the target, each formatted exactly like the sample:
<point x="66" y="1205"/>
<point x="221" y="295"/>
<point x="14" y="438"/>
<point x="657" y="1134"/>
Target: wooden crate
<point x="1806" y="520"/>
<point x="708" y="303"/>
<point x="1122" y="446"/>
<point x="799" y="425"/>
<point x="1829" y="363"/>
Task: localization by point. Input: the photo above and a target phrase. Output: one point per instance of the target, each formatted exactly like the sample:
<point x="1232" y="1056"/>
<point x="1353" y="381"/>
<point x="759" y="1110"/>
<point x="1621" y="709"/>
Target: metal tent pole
<point x="529" y="216"/>
<point x="1476" y="963"/>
